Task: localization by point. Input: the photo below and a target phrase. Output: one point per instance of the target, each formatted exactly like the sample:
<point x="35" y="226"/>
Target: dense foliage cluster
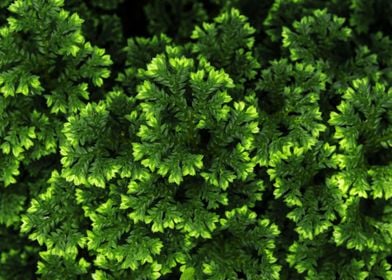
<point x="190" y="139"/>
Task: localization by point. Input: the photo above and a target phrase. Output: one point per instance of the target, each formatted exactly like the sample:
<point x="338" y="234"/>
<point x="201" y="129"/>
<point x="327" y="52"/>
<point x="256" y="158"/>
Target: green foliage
<point x="222" y="140"/>
<point x="46" y="68"/>
<point x="227" y="44"/>
<point x="315" y="36"/>
<point x="102" y="26"/>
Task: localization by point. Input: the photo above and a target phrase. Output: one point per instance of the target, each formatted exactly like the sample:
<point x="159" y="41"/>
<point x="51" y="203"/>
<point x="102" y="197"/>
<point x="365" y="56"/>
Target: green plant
<point x="223" y="140"/>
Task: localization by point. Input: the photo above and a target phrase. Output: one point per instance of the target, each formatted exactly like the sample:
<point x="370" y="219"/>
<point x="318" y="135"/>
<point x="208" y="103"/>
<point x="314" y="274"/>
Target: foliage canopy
<point x="193" y="139"/>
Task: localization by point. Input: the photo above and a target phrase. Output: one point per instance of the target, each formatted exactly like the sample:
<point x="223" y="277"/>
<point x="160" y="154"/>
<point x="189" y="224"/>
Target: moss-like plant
<point x="220" y="140"/>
